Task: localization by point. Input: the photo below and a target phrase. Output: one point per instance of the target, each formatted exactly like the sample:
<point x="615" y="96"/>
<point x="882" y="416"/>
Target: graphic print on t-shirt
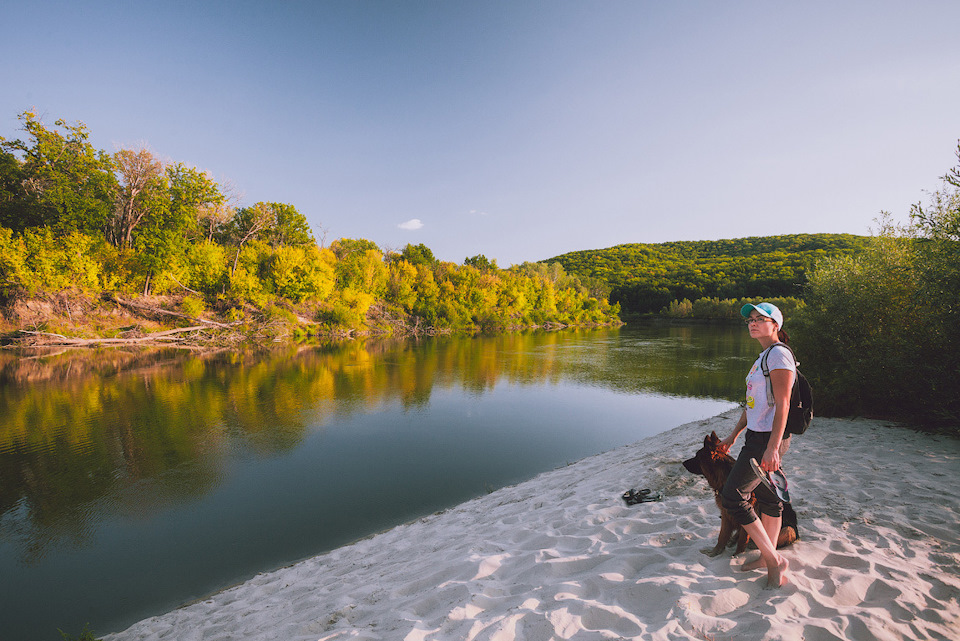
<point x="751" y="401"/>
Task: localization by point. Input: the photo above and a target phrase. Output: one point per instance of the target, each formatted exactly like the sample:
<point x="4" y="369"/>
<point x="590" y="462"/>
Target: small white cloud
<point x="411" y="225"/>
<point x="477" y="212"/>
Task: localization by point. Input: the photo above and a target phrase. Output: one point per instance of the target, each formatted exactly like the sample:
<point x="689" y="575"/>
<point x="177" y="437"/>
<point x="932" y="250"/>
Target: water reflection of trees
<point x="90" y="434"/>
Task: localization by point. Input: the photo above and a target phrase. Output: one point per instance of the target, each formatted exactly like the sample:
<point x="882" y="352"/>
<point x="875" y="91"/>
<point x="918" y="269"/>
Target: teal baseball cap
<point x="764" y="309"/>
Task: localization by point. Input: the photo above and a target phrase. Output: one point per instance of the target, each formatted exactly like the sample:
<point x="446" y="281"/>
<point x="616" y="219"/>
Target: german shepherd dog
<point x="714" y="465"/>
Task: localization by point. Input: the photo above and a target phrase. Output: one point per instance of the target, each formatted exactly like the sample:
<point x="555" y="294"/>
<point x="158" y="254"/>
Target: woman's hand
<point x="728" y="442"/>
<point x="771" y="460"/>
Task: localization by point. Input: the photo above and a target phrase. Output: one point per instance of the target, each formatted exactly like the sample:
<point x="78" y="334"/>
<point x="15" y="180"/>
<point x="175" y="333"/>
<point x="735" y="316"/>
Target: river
<point x="132" y="482"/>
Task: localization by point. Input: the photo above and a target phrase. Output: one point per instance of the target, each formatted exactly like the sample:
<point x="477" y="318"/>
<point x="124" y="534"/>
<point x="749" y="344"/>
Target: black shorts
<point x="742" y="482"/>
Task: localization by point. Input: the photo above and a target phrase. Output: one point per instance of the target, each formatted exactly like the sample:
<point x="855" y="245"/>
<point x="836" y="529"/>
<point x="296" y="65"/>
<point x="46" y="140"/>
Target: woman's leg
<point x="741" y="483"/>
<point x="771" y="526"/>
<point x="776" y="565"/>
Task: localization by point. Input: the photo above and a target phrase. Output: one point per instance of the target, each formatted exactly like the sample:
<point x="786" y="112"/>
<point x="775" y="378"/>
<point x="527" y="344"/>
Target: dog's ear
<point x="712" y="439"/>
<point x="693" y="466"/>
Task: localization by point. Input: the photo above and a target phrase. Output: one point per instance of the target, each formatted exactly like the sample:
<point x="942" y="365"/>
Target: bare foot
<point x="756" y="564"/>
<point x="777" y="577"/>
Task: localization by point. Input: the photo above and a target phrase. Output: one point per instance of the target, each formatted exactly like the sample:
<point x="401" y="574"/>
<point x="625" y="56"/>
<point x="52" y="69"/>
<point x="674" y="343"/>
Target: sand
<point x="562" y="557"/>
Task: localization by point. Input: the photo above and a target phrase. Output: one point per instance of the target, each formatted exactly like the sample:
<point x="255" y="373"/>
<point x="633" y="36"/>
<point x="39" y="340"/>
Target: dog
<point x="714" y="465"/>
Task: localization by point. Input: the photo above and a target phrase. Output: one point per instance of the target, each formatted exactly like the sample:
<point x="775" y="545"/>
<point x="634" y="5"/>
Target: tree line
<point x="75" y="218"/>
<point x="880" y="329"/>
<point x="875" y="320"/>
<point x="647" y="278"/>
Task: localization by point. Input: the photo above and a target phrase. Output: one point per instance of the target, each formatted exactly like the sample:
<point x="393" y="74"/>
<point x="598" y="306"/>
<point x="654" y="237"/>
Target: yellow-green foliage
<point x="192" y="306"/>
<point x="401" y="285"/>
<point x="38" y="261"/>
<point x="243" y="283"/>
<point x="86" y="229"/>
<point x="357" y="303"/>
<point x="206" y="267"/>
<point x="360" y="268"/>
<point x="301" y="273"/>
<point x="12" y="257"/>
<point x="343" y="289"/>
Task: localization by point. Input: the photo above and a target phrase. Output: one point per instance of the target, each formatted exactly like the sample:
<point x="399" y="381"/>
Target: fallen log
<point x="60" y="339"/>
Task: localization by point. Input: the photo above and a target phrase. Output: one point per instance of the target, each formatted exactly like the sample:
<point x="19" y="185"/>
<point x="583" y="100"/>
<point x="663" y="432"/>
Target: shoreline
<point x="562" y="556"/>
<point x="110" y="320"/>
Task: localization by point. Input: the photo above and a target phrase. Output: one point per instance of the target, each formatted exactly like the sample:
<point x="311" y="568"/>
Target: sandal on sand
<point x="632" y="497"/>
<point x="775" y="481"/>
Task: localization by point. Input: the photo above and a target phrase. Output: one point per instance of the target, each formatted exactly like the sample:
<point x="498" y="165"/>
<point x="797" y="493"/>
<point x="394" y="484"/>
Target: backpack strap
<point x="766" y="370"/>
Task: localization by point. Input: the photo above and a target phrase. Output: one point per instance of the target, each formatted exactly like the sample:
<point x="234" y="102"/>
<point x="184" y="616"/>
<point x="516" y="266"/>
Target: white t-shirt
<point x="760" y="405"/>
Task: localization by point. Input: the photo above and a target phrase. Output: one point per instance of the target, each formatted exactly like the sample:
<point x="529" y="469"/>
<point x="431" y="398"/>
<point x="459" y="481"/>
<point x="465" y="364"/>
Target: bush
<point x="334" y="315"/>
<point x="192" y="306"/>
<point x="299" y="273"/>
<point x="873" y="338"/>
<point x="207" y="262"/>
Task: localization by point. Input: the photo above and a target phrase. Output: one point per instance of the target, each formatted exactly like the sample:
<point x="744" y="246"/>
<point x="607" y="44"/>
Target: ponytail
<point x="783" y="336"/>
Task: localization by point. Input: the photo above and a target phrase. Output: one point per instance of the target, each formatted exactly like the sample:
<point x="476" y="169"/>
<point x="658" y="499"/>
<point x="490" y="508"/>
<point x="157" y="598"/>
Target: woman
<point x="765" y="419"/>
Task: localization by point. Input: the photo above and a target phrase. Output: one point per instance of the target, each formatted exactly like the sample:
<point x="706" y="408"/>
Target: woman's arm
<point x="741" y="425"/>
<point x="781" y="380"/>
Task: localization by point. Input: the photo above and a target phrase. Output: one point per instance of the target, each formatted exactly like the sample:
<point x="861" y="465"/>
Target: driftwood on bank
<point x="201" y="331"/>
<point x="170" y="335"/>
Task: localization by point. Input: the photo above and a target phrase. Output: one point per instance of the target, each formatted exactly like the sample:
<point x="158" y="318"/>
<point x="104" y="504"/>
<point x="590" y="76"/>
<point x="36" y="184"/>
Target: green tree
<point x="346" y="247"/>
<point x="14" y="208"/>
<point x="157" y="250"/>
<point x="197" y="203"/>
<point x="243" y="280"/>
<point x="937" y="226"/>
<point x="401" y="285"/>
<point x="480" y="262"/>
<point x="418" y="255"/>
<point x="428" y="294"/>
<point x="879" y="328"/>
<point x="858" y="335"/>
<point x="290" y="227"/>
<point x="163" y="239"/>
<point x="59" y="180"/>
<point x="360" y="266"/>
<point x="247" y="224"/>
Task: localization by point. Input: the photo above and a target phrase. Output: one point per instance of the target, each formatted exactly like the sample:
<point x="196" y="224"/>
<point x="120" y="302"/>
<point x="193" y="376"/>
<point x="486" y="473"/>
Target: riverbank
<point x="561" y="556"/>
<point x="70" y="320"/>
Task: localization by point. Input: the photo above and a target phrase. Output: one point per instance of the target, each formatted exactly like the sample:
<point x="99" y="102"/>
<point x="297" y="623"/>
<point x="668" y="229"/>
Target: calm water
<point x="131" y="483"/>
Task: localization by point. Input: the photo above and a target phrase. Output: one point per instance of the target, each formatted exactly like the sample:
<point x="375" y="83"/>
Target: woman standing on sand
<point x="765" y="420"/>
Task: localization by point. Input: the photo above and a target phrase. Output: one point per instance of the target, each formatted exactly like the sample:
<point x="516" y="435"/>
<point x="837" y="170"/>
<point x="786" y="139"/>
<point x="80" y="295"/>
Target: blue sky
<point x="515" y="129"/>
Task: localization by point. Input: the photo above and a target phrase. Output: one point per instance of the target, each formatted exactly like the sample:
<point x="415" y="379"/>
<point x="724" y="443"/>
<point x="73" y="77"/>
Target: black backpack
<point x="800" y="413"/>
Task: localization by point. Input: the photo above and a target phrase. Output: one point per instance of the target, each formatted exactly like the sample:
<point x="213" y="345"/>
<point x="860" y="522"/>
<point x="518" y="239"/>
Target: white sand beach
<point x="562" y="557"/>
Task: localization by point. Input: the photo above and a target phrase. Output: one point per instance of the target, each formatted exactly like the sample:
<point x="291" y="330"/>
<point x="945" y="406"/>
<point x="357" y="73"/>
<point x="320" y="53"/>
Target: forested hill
<point x="645" y="278"/>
